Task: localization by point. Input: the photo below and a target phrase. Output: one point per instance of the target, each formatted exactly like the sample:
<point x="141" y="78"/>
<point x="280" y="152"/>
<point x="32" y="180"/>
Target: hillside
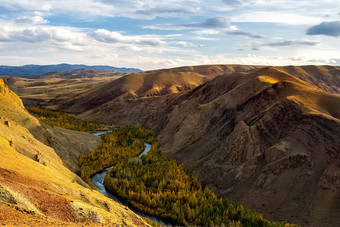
<point x="153" y="84"/>
<point x="267" y="140"/>
<point x="35" y="187"/>
<point x="40" y="89"/>
<point x="324" y="77"/>
<point x="258" y="136"/>
<point x="85" y="89"/>
<point x="30" y="70"/>
<point x="133" y="86"/>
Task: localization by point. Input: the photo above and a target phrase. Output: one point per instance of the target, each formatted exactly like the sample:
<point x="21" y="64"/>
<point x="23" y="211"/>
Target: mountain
<point x="36" y="188"/>
<point x="132" y="86"/>
<point x="151" y="84"/>
<point x="30" y="70"/>
<point x="40" y="89"/>
<point x="265" y="137"/>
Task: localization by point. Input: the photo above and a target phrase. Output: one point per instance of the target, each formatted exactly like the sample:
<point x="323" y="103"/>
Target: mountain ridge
<point x="31" y="70"/>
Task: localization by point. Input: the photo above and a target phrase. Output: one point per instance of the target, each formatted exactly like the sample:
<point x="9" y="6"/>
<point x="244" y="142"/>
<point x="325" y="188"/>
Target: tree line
<point x="117" y="146"/>
<point x="64" y="120"/>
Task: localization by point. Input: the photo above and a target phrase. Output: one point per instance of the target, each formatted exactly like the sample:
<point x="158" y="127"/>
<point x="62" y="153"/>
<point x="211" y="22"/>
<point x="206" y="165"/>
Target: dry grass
<point x="43" y="190"/>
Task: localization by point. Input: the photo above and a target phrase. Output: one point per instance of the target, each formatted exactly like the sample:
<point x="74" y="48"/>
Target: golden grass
<point x="18" y="149"/>
<point x="22" y="200"/>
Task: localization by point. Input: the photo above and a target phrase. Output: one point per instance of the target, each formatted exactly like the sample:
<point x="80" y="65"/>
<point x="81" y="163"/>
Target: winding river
<point x="98" y="180"/>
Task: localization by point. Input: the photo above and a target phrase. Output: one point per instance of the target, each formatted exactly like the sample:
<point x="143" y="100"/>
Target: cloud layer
<point x="325" y="28"/>
<point x="154" y="34"/>
<point x="217" y="23"/>
<point x="247" y="34"/>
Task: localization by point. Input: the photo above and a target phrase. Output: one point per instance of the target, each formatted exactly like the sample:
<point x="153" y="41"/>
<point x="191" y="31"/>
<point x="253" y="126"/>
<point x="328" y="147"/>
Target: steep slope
<point x="267" y="140"/>
<point x="263" y="137"/>
<point x="35" y="187"/>
<point x="40" y="89"/>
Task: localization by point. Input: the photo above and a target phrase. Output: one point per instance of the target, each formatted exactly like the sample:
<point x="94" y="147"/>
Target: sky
<point x="155" y="34"/>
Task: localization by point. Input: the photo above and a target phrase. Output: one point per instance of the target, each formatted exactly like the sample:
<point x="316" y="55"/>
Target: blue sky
<point x="154" y="34"/>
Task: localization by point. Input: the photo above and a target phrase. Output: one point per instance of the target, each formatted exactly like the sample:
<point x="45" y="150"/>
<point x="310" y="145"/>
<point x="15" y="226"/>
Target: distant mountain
<point x="30" y="70"/>
<point x="42" y="88"/>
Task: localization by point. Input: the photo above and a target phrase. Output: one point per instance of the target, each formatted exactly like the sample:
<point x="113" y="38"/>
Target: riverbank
<point x="98" y="180"/>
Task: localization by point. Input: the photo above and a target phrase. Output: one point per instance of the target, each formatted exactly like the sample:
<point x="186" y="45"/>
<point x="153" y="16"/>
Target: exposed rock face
<point x="268" y="142"/>
<point x="271" y="150"/>
<point x="263" y="137"/>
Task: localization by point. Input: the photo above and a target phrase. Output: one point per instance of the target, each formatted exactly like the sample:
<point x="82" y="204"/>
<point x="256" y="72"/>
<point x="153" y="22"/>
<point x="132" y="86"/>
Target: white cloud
<point x="40" y="34"/>
<point x="104" y="35"/>
<point x="302" y="58"/>
<point x="26" y="33"/>
<point x="276" y="17"/>
<point x="117" y="8"/>
<point x="277" y="10"/>
<point x="209" y="24"/>
<point x="238" y="3"/>
<point x="184" y="44"/>
<point x="30" y="20"/>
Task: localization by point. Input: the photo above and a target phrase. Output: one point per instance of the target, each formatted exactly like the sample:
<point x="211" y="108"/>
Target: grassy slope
<point x="42" y="189"/>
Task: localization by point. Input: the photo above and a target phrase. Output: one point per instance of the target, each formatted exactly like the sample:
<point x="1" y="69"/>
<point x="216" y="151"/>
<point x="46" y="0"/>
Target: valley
<point x="256" y="131"/>
<point x="264" y="137"/>
<point x="170" y="113"/>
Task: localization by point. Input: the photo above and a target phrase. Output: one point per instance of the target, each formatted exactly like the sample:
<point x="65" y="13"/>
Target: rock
<point x="7" y="123"/>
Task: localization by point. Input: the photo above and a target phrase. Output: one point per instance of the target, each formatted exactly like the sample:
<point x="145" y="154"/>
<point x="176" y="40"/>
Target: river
<point x="98" y="180"/>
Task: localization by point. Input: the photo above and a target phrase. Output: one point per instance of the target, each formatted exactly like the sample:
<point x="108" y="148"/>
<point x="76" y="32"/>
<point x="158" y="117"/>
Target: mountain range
<point x="266" y="137"/>
<point x="30" y="70"/>
<point x="41" y="88"/>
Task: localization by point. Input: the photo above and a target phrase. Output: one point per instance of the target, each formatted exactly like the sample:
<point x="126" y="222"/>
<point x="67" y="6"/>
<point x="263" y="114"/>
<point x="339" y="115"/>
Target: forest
<point x="159" y="186"/>
<point x="64" y="120"/>
<point x="117" y="146"/>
